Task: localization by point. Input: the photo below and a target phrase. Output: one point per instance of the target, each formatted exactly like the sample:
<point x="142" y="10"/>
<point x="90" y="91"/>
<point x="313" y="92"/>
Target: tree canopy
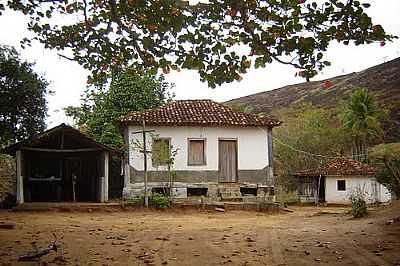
<point x="387" y="156"/>
<point x="23" y="106"/>
<point x="129" y="91"/>
<point x="361" y="117"/>
<point x="220" y="39"/>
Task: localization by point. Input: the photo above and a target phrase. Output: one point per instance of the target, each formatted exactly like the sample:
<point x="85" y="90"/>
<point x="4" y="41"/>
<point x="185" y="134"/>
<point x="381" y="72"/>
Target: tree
<point x="387" y="157"/>
<point x="23" y="106"/>
<point x="307" y="132"/>
<point x="220" y="39"/>
<point x="361" y="118"/>
<point x="129" y="91"/>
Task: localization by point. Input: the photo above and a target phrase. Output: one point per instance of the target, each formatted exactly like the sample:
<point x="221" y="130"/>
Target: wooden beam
<point x="60" y="150"/>
<point x="62" y="141"/>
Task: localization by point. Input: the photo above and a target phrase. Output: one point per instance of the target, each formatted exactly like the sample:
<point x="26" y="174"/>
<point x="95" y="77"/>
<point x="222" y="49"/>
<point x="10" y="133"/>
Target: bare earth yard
<point x="190" y="237"/>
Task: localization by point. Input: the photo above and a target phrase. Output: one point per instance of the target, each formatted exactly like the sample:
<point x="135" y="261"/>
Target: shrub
<point x="158" y="201"/>
<point x="137" y="201"/>
<point x="358" y="203"/>
<point x="9" y="201"/>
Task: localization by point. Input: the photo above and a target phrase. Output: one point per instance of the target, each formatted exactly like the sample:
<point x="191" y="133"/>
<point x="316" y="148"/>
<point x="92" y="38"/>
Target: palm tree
<point x="361" y="117"/>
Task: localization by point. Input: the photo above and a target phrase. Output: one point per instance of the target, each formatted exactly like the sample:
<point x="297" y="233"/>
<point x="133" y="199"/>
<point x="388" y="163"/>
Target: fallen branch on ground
<point x="37" y="254"/>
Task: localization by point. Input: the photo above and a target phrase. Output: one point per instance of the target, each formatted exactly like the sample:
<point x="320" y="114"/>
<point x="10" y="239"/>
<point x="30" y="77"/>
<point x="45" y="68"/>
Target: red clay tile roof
<point x="197" y="113"/>
<point x="341" y="166"/>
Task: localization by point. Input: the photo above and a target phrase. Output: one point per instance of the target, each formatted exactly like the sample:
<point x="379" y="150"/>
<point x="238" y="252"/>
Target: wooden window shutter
<point x="196" y="153"/>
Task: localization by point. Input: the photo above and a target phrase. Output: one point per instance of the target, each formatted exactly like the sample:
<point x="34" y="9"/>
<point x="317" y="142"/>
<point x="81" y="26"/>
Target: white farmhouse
<point x="215" y="147"/>
<point x="336" y="180"/>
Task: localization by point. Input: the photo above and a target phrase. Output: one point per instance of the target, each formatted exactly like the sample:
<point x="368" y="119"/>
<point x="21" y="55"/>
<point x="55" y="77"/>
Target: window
<point x="161" y="153"/>
<point x="196" y="152"/>
<point x="341" y="185"/>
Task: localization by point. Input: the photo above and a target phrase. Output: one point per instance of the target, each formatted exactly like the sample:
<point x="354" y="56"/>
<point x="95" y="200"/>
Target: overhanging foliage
<point x="220" y="39"/>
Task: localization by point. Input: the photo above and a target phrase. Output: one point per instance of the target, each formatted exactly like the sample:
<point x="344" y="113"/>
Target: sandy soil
<point x="308" y="236"/>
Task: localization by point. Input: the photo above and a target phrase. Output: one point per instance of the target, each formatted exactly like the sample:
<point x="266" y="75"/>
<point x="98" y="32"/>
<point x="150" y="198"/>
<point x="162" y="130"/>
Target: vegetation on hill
<point x="307" y="131"/>
<point x="382" y="82"/>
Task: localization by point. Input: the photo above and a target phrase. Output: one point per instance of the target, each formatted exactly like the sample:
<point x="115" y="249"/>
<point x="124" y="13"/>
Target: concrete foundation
<point x="214" y="191"/>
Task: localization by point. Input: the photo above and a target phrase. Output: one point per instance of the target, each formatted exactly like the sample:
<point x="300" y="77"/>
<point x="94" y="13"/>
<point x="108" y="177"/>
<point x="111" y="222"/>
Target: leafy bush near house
<point x="135" y="202"/>
<point x="156" y="200"/>
<point x="358" y="203"/>
<point x="285" y="196"/>
<point x="159" y="201"/>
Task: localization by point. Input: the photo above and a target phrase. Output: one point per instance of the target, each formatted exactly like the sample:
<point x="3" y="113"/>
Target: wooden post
<point x="146" y="196"/>
<point x="20" y="179"/>
<point x="73" y="187"/>
<point x="144" y="150"/>
<point x="106" y="170"/>
<point x="319" y="184"/>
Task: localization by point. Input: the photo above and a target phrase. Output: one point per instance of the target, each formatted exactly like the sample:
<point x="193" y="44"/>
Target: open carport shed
<point x="61" y="164"/>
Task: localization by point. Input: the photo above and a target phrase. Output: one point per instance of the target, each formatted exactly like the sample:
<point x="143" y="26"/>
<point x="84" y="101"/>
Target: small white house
<point x="211" y="144"/>
<point x="335" y="181"/>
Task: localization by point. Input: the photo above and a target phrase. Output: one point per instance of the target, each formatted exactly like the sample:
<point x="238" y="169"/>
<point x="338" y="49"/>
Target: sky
<point x="68" y="79"/>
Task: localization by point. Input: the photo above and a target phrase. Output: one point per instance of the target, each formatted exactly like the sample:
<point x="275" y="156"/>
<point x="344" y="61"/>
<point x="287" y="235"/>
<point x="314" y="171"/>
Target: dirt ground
<point x="308" y="236"/>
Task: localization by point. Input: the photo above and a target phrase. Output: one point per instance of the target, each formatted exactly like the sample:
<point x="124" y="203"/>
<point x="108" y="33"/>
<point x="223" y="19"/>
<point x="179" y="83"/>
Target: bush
<point x="9" y="201"/>
<point x="158" y="201"/>
<point x="137" y="201"/>
<point x="358" y="203"/>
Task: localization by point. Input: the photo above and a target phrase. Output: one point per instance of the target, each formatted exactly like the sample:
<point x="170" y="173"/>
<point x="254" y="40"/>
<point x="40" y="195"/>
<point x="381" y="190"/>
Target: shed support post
<point x="105" y="180"/>
<point x="20" y="179"/>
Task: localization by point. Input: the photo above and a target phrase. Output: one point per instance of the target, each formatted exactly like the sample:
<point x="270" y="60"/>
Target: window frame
<point x="204" y="162"/>
<point x="155" y="165"/>
<point x="337" y="184"/>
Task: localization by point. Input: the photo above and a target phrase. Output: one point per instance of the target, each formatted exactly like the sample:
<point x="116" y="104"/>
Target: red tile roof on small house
<point x="340" y="166"/>
<point x="197" y="113"/>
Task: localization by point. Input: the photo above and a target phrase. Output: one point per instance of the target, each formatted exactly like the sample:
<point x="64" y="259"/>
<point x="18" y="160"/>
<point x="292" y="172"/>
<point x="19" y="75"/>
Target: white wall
<point x="252" y="146"/>
<point x="374" y="190"/>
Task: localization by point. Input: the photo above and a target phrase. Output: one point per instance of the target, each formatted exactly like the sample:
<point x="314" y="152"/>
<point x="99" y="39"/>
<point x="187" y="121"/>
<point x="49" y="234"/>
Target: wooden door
<point x="227" y="160"/>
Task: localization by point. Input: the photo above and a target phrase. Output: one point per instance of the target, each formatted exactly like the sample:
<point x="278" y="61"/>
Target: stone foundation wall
<point x="7" y="176"/>
<point x="214" y="190"/>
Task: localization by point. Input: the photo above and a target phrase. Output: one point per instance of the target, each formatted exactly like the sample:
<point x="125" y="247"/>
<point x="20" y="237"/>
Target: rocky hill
<point x="383" y="80"/>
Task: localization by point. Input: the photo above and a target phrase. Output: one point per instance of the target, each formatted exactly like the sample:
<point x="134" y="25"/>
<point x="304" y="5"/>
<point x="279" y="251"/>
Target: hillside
<point x="383" y="80"/>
